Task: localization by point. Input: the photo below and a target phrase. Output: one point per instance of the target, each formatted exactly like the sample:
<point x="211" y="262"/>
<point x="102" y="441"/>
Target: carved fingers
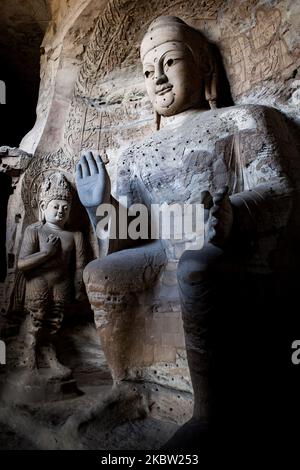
<point x="220" y="218"/>
<point x="92" y="180"/>
<point x="53" y="243"/>
<point x="206" y="199"/>
<point x="88" y="165"/>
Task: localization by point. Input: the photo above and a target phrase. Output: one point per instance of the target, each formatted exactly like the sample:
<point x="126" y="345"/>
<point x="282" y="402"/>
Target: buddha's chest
<point x="179" y="167"/>
<point x="65" y="243"/>
<point x="202" y="152"/>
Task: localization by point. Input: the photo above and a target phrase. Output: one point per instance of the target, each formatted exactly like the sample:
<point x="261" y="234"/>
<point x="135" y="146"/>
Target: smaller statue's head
<point x="178" y="67"/>
<point x="55" y="199"/>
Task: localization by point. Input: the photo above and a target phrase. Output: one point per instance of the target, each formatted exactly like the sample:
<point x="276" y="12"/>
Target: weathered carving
<point x="97" y="106"/>
<point x="46" y="260"/>
<point x="246" y="60"/>
<point x="231" y="159"/>
<point x="141" y="329"/>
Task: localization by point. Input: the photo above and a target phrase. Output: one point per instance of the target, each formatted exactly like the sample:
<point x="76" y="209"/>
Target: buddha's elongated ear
<point x="42" y="207"/>
<point x="157" y="120"/>
<point x="211" y="94"/>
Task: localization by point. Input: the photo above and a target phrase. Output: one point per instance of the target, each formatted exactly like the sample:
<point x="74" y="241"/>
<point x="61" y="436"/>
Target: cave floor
<point x="130" y="416"/>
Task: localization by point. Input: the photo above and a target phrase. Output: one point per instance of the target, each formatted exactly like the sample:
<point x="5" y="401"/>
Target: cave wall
<point x="92" y="96"/>
<point x="22" y="27"/>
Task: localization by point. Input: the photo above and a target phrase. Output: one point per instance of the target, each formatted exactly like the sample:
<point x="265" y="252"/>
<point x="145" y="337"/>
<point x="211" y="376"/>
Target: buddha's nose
<point x="162" y="78"/>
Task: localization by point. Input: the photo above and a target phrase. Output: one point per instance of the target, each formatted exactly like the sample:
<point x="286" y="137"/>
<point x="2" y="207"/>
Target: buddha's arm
<point x="268" y="173"/>
<point x="263" y="207"/>
<point x="30" y="257"/>
<point x="112" y="232"/>
<point x="267" y="204"/>
<point x="80" y="265"/>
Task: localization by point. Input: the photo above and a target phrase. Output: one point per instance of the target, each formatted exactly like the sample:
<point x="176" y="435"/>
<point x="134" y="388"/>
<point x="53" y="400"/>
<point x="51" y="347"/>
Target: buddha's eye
<point x="170" y="62"/>
<point x="148" y="73"/>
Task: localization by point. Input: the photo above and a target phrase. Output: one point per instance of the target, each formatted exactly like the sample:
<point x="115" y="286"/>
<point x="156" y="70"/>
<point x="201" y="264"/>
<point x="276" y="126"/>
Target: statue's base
<point x="128" y="416"/>
<point x="36" y="386"/>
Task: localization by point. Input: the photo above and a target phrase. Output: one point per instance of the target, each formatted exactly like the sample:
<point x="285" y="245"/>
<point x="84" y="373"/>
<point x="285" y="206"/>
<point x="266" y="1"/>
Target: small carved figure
<point x="47" y="260"/>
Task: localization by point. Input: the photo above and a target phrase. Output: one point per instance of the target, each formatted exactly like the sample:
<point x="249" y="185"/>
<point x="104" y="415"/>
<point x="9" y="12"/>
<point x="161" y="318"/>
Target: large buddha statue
<point x="239" y="162"/>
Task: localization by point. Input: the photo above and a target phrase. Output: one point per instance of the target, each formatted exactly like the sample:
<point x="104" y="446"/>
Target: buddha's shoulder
<point x="255" y="110"/>
<point x="237" y="117"/>
<point x="34" y="228"/>
<point x="242" y="116"/>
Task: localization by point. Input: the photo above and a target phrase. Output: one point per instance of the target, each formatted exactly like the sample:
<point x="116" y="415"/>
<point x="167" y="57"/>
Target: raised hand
<point x="220" y="220"/>
<point x="52" y="244"/>
<point x="92" y="180"/>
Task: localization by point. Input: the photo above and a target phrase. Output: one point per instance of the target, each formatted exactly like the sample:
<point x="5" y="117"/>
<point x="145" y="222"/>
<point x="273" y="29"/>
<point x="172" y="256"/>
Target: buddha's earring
<point x="157" y="120"/>
<point x="211" y="91"/>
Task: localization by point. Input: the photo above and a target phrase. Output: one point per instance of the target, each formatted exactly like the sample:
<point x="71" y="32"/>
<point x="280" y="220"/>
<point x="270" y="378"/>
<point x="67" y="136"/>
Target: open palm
<point x="92" y="180"/>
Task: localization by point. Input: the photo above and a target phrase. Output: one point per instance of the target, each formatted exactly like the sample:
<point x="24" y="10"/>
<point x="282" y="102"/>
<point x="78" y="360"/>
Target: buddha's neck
<point x="54" y="226"/>
<point x="178" y="119"/>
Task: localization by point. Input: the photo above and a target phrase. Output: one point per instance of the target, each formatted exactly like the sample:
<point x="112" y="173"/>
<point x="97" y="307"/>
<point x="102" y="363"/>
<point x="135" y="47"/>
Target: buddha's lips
<point x="164" y="90"/>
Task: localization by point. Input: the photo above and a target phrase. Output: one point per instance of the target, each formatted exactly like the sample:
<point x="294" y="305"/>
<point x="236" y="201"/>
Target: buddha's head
<point x="55" y="199"/>
<point x="178" y="67"/>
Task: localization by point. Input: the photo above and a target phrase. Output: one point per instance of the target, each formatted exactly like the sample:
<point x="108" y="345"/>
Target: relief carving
<point x="46" y="259"/>
<point x="246" y="58"/>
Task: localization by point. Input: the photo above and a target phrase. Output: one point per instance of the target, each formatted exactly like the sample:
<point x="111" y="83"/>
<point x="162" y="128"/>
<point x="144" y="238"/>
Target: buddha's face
<point x="172" y="78"/>
<point x="56" y="211"/>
